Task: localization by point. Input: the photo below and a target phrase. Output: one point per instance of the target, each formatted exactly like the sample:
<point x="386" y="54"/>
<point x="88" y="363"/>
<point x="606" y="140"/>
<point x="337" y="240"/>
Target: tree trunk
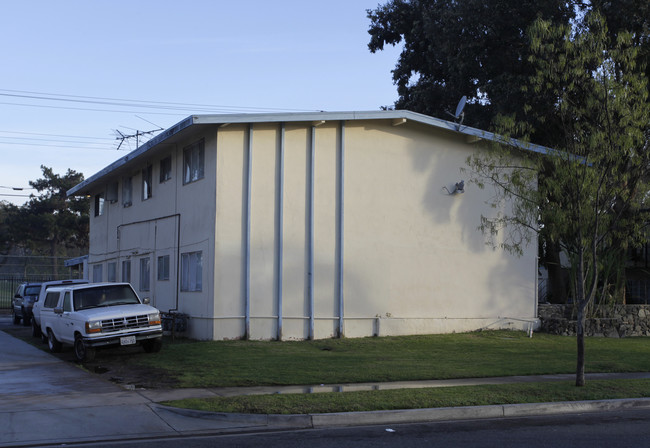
<point x="580" y="339"/>
<point x="582" y="301"/>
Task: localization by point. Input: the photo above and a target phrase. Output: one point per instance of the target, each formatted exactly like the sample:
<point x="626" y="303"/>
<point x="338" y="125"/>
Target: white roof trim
<point x="226" y="119"/>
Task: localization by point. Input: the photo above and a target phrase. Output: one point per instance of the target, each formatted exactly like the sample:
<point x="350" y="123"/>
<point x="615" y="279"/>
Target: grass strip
<point x="419" y="398"/>
<point x="404" y="358"/>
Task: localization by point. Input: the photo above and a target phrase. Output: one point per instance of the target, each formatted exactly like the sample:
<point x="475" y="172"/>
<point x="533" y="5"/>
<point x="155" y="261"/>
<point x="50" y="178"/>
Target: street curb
<point x="474" y="412"/>
<point x="306" y="421"/>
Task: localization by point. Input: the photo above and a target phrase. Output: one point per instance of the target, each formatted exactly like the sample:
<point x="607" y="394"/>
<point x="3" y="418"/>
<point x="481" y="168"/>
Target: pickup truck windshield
<point x="104" y="296"/>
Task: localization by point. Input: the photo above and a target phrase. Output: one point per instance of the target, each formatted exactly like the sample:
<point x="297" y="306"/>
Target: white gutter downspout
<point x="280" y="230"/>
<point x="247" y="255"/>
<point x="310" y="237"/>
<point x="340" y="225"/>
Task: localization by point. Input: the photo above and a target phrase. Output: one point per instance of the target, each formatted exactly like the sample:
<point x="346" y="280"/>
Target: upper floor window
<point x="147" y="182"/>
<point x="127" y="192"/>
<point x="193" y="162"/>
<point x="99" y="204"/>
<point x="165" y="169"/>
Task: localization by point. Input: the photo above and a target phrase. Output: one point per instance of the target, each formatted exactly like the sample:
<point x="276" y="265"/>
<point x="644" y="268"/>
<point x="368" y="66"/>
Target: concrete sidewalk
<point x="46" y="401"/>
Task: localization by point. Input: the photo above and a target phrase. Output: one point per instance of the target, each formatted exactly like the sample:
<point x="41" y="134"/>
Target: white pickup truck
<point x="98" y="315"/>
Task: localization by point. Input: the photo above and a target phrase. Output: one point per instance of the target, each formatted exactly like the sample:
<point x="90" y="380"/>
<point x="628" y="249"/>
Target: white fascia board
<point x="227" y="119"/>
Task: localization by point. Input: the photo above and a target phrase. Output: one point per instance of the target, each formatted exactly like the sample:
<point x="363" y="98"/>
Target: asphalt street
<point x="49" y="401"/>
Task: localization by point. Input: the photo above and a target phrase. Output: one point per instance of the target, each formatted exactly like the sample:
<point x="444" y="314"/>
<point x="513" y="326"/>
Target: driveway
<point x="49" y="400"/>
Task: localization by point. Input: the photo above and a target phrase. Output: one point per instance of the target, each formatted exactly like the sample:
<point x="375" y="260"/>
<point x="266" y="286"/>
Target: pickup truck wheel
<point x="152" y="345"/>
<point x="81" y="352"/>
<point x="55" y="346"/>
<point x="16" y="318"/>
<point x="36" y="330"/>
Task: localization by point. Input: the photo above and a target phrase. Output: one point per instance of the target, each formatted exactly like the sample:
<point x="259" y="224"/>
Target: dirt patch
<point x="118" y="365"/>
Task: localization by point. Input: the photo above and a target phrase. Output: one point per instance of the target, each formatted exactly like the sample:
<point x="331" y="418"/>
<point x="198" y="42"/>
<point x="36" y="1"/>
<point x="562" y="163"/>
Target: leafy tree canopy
<point x="50" y="223"/>
<point x="592" y="184"/>
<point x="477" y="48"/>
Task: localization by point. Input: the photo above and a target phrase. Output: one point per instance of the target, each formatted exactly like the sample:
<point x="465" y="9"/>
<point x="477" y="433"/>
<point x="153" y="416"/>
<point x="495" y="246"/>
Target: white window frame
<point x="126" y="271"/>
<point x="111" y="272"/>
<point x="163" y="268"/>
<point x="194" y="162"/>
<point x="165" y="171"/>
<point x="98" y="273"/>
<point x="145" y="274"/>
<point x="192" y="271"/>
<point x="100" y="202"/>
<point x="147" y="182"/>
<point x="127" y="192"/>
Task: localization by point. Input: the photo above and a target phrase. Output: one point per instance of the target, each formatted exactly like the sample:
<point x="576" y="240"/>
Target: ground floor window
<point x="145" y="272"/>
<point x="163" y="267"/>
<point x="111" y="272"/>
<point x="126" y="271"/>
<point x="97" y="273"/>
<point x="191" y="271"/>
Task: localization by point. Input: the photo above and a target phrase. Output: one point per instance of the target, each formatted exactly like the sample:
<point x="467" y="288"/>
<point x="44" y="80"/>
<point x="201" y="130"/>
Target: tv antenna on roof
<point x="459" y="111"/>
<point x="137" y="134"/>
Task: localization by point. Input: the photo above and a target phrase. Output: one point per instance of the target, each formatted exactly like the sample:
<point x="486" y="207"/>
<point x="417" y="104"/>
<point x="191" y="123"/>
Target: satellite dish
<point x="460" y="107"/>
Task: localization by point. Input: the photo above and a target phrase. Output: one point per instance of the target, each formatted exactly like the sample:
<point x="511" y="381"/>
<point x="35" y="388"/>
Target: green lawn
<point x="332" y="361"/>
<point x="409" y="358"/>
<point x="479" y="354"/>
<point x="419" y="398"/>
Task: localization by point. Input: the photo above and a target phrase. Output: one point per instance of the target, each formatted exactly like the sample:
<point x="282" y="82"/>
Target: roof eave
<point x="220" y="119"/>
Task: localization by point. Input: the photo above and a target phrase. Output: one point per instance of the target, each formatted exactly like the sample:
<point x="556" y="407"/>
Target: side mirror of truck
<point x="58" y="310"/>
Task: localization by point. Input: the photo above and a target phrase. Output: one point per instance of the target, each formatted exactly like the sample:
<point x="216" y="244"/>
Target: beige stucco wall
<point x="413" y="260"/>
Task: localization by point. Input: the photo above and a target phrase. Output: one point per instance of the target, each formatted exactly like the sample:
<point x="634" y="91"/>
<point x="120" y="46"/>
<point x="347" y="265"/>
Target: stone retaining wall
<point x="616" y="321"/>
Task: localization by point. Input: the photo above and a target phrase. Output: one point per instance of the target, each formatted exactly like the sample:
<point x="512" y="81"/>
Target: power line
<point x="16" y="195"/>
<point x="54" y="146"/>
<point x="55" y="135"/>
<point x="43" y="106"/>
<point x="17" y="188"/>
<point x="164" y="105"/>
<point x="49" y="140"/>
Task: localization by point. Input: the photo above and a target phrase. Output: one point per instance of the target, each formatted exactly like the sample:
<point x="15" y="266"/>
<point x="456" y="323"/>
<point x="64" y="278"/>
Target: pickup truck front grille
<point x="125" y="323"/>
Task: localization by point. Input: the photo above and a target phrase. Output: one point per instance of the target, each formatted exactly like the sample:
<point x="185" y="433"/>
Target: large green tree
<point x="476" y="48"/>
<point x="481" y="49"/>
<point x="592" y="184"/>
<point x="50" y="223"/>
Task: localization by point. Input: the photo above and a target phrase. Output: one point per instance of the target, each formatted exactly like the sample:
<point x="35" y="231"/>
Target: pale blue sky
<point x="65" y="61"/>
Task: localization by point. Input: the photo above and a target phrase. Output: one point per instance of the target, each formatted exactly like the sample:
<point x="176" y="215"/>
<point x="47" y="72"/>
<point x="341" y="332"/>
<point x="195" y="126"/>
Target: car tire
<point x="152" y="345"/>
<point x="55" y="346"/>
<point x="36" y="330"/>
<point x="26" y="319"/>
<point x="81" y="352"/>
<point x="15" y="317"/>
